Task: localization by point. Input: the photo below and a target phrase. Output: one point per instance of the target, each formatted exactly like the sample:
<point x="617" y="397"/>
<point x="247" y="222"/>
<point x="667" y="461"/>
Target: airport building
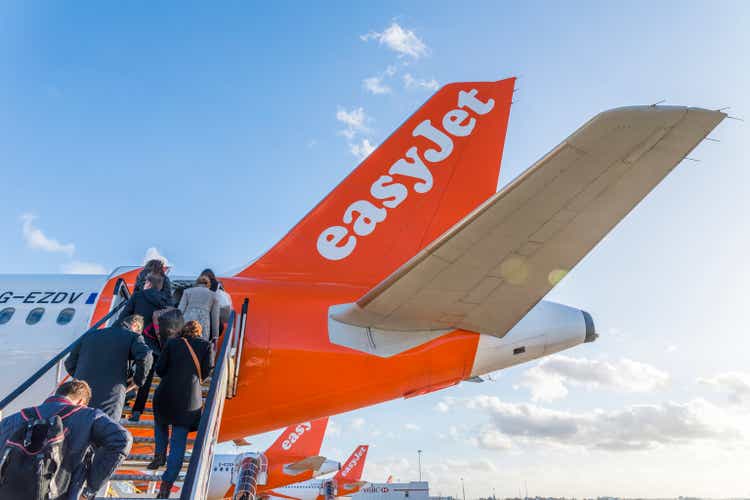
<point x="413" y="490"/>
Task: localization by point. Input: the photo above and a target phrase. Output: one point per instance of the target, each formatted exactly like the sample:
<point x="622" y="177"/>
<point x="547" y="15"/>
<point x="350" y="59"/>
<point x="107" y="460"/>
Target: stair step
<point x="204" y="390"/>
<point x="145" y="411"/>
<point x="138" y="457"/>
<point x="151" y="440"/>
<point x="141" y="424"/>
<point x="156" y="476"/>
<point x="135" y="496"/>
<point x="140" y="468"/>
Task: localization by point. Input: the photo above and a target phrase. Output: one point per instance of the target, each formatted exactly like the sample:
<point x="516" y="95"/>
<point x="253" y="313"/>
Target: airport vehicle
<point x="413" y="274"/>
<point x="344" y="483"/>
<point x="292" y="458"/>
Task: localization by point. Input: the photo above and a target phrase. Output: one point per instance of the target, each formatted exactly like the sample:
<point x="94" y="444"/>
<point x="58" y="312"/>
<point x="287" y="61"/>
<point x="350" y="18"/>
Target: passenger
<point x="79" y="476"/>
<point x="145" y="302"/>
<point x="170" y="326"/>
<point x="154" y="266"/>
<point x="178" y="402"/>
<point x="208" y="273"/>
<point x="102" y="359"/>
<point x="225" y="308"/>
<point x="199" y="303"/>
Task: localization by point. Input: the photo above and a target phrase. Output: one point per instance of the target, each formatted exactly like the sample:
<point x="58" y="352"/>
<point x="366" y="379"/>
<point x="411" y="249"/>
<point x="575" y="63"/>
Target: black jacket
<point x="102" y="359"/>
<point x="85" y="428"/>
<point x="145" y="303"/>
<point x="140" y="282"/>
<point x="178" y="399"/>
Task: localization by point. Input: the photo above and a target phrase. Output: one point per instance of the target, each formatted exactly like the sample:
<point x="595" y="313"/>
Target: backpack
<point x="31" y="458"/>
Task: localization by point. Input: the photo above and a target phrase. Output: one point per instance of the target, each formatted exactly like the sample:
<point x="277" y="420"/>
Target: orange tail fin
<point x="352" y="469"/>
<point x="431" y="172"/>
<point x="301" y="440"/>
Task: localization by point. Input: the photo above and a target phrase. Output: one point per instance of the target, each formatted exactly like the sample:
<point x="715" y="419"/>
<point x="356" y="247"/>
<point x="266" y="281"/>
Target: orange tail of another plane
<point x="300" y="440"/>
<point x="431" y="172"/>
<point x="351" y="470"/>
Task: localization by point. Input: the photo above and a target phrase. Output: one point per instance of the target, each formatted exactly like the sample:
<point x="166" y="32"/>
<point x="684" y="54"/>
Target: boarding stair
<point x="133" y="479"/>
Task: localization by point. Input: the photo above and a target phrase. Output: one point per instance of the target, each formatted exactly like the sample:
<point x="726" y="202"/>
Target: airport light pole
<point x="463" y="488"/>
<point x="419" y="461"/>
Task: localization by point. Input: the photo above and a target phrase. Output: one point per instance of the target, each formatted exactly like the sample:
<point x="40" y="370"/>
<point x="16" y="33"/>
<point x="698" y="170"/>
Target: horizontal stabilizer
<point x="490" y="269"/>
<point x="356" y="484"/>
<point x="304" y="465"/>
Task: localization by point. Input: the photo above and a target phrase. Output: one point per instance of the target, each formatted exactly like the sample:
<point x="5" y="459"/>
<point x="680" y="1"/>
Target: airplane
<point x="413" y="274"/>
<point x="292" y="458"/>
<point x="344" y="483"/>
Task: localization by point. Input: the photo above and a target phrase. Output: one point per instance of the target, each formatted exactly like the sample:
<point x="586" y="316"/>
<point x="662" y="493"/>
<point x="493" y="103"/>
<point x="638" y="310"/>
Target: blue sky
<point x="207" y="132"/>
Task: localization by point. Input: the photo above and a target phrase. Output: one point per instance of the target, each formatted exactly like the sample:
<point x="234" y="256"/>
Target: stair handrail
<point x="240" y="340"/>
<point x="52" y="362"/>
<point x="195" y="485"/>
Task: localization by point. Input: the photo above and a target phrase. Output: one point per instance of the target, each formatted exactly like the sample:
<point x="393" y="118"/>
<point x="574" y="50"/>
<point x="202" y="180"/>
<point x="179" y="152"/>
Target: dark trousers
<point x="177" y="444"/>
<point x="142" y="397"/>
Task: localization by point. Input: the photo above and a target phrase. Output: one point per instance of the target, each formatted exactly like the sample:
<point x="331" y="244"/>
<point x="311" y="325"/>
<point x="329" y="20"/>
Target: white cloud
<point x="671" y="348"/>
<point x="637" y="427"/>
<point x="375" y="85"/>
<point x="333" y="428"/>
<point x="737" y="384"/>
<point x="357" y="423"/>
<point x="412" y="82"/>
<point x="79" y="267"/>
<point x="402" y="41"/>
<point x="37" y="240"/>
<point x="492" y="439"/>
<point x="411" y="427"/>
<point x="445" y="405"/>
<point x="153" y="253"/>
<point x="361" y="149"/>
<point x="549" y="380"/>
<point x="355" y="121"/>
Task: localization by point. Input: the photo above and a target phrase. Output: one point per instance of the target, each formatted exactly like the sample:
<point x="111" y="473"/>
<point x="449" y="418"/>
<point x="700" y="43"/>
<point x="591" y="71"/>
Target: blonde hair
<point x="203" y="280"/>
<point x="192" y="329"/>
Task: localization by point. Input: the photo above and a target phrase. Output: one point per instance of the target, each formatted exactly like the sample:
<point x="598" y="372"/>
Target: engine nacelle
<point x="546" y="329"/>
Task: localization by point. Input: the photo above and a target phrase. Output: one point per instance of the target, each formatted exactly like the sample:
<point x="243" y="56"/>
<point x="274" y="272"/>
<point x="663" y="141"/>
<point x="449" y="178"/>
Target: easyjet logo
<point x="294" y="436"/>
<point x="354" y="461"/>
<point x="362" y="216"/>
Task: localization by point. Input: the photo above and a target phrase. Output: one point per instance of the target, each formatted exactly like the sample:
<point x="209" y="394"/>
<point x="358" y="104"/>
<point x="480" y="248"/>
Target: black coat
<point x="166" y="289"/>
<point x="145" y="303"/>
<point x="102" y="359"/>
<point x="178" y="399"/>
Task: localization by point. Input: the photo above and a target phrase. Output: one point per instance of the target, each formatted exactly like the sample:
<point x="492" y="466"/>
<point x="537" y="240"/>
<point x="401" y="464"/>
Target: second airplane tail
<point x="300" y="440"/>
<point x="351" y="470"/>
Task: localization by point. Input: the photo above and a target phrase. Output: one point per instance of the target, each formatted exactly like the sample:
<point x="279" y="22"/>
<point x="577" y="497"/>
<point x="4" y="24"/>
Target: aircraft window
<point x="6" y="314"/>
<point x="66" y="316"/>
<point x="34" y="316"/>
